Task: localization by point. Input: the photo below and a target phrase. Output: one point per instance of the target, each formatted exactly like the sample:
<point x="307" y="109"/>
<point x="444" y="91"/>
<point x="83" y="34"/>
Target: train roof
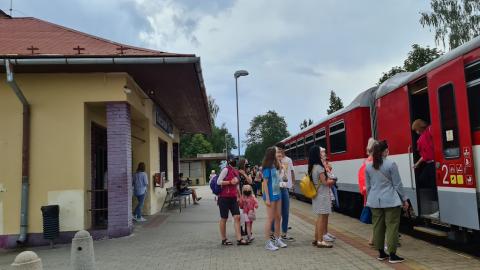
<point x="404" y="78"/>
<point x="364" y="99"/>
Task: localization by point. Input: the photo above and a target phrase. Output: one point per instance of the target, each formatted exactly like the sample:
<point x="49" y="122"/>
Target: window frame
<point x="442" y="130"/>
<point x="330" y="134"/>
<point x="302" y="139"/>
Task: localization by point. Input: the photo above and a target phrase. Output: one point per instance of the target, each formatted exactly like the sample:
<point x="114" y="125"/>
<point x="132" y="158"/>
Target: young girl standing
<point x="248" y="203"/>
<point x="271" y="196"/>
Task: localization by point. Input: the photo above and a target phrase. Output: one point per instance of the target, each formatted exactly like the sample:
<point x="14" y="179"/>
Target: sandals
<point x="242" y="242"/>
<point x="323" y="245"/>
<point x="314" y="243"/>
<point x="225" y="242"/>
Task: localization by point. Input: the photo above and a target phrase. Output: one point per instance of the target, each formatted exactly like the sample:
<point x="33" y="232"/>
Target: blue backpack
<point x="216" y="189"/>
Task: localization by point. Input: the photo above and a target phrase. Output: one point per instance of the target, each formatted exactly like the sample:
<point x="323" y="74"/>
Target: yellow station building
<point x="77" y="114"/>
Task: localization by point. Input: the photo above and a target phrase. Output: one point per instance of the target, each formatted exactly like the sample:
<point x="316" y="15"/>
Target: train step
<point x="431" y="231"/>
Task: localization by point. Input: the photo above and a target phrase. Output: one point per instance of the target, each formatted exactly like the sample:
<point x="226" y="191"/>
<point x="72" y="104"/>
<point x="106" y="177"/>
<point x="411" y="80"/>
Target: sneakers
<point x="383" y="256"/>
<point x="331" y="235"/>
<point x="279" y="243"/>
<point x="287" y="238"/>
<point x="269" y="245"/>
<point x="435" y="215"/>
<point x="327" y="238"/>
<point x="395" y="259"/>
<point x="141" y="219"/>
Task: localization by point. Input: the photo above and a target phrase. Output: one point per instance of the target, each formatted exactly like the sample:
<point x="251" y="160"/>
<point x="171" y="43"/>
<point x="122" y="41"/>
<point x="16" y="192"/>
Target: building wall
<point x="145" y="107"/>
<point x="194" y="170"/>
<point x="59" y="150"/>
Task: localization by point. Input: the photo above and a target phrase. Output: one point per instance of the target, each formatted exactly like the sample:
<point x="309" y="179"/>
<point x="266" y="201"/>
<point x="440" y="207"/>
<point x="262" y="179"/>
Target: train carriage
<point x="446" y="94"/>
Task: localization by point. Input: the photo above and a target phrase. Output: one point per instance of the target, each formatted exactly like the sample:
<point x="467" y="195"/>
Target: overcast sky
<point x="295" y="50"/>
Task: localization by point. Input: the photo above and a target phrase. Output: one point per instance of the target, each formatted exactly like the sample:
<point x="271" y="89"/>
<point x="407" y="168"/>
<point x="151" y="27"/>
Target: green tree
<point x="416" y="58"/>
<point x="218" y="137"/>
<point x="191" y="145"/>
<point x="213" y="109"/>
<point x="306" y="123"/>
<point x="265" y="131"/>
<point x="387" y="75"/>
<point x="455" y="20"/>
<point x="335" y="103"/>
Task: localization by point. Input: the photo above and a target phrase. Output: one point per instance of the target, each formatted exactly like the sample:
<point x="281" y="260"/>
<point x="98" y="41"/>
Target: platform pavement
<point x="190" y="240"/>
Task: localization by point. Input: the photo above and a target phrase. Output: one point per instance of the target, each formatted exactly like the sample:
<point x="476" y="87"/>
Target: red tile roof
<point x="19" y="35"/>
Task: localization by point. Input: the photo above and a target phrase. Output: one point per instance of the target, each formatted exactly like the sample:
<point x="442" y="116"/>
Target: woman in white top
<point x="321" y="204"/>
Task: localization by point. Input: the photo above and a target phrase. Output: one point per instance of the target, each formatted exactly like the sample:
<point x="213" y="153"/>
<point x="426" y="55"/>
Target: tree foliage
<point x="213" y="109"/>
<point x="457" y="21"/>
<point x="265" y="131"/>
<point x="335" y="103"/>
<point x="306" y="123"/>
<point x="416" y="58"/>
<point x="193" y="144"/>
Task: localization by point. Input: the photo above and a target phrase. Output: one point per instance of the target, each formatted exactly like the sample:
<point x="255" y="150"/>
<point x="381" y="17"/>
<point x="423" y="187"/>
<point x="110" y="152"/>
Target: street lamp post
<point x="237" y="74"/>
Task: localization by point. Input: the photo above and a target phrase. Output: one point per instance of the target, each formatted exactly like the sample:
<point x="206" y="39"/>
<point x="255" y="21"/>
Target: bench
<point x="173" y="198"/>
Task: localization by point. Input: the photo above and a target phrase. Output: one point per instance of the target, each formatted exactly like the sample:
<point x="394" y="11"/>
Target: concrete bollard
<point x="27" y="260"/>
<point x="82" y="256"/>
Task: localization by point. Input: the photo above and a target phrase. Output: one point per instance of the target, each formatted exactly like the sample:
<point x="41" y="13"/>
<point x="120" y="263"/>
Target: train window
<point x="301" y="149"/>
<point x="472" y="74"/>
<point x="287" y="149"/>
<point x="321" y="138"/>
<point x="293" y="151"/>
<point x="309" y="141"/>
<point x="448" y="121"/>
<point x="338" y="137"/>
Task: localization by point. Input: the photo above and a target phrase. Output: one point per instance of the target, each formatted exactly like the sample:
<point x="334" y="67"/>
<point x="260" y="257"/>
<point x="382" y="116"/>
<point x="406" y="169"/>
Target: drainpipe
<point x="25" y="153"/>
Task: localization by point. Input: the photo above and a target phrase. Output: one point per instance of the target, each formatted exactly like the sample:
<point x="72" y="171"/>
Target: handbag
<point x="366" y="216"/>
<point x="251" y="215"/>
<point x="307" y="187"/>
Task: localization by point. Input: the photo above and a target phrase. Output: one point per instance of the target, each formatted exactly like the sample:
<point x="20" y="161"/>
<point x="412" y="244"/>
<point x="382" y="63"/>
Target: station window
<point x="338" y="137"/>
<point x="321" y="138"/>
<point x="309" y="141"/>
<point x="472" y="75"/>
<point x="301" y="149"/>
<point x="448" y="121"/>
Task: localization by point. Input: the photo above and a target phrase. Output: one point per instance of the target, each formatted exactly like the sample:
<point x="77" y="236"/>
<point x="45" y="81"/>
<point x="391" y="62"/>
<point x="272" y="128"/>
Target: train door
<point x="453" y="145"/>
<point x="425" y="179"/>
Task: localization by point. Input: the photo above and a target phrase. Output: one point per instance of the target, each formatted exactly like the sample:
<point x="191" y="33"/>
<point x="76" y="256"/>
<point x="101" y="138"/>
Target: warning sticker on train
<point x="460" y="179"/>
<point x="466" y="151"/>
<point x="459" y="168"/>
<point x="468" y="162"/>
<point x="469" y="180"/>
<point x="452" y="168"/>
<point x="453" y="179"/>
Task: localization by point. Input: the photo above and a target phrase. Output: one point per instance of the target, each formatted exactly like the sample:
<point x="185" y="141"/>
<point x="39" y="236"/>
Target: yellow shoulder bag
<point x="307" y="187"/>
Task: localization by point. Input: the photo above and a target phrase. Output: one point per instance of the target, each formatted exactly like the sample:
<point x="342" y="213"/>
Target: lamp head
<point x="240" y="73"/>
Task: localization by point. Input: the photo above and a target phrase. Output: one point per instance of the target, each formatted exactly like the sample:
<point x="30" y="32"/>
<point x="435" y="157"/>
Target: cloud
<point x="295" y="51"/>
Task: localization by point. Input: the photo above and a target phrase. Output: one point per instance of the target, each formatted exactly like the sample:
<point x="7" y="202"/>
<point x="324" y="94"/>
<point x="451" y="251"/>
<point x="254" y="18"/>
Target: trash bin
<point x="51" y="223"/>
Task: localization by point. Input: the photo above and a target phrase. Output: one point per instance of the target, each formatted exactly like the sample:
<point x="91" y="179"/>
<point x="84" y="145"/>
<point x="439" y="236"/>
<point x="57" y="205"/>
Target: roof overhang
<point x="174" y="83"/>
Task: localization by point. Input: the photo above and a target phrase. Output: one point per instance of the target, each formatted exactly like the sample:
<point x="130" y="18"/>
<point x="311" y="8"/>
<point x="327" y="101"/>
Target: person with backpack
<point x="228" y="196"/>
<point x="385" y="197"/>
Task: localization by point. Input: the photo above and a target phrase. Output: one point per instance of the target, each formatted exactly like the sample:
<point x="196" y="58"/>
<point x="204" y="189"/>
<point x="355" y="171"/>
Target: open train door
<point x="453" y="145"/>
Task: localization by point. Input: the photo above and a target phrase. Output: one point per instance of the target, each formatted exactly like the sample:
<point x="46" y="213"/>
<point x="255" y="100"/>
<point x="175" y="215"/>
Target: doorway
<point x="425" y="184"/>
<point x="99" y="191"/>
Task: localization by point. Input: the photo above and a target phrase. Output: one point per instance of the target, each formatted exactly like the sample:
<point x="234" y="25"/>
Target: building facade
<point x="77" y="115"/>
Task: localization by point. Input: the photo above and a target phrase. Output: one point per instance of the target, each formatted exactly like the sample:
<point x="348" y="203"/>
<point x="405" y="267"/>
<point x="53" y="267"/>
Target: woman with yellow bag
<point x="321" y="203"/>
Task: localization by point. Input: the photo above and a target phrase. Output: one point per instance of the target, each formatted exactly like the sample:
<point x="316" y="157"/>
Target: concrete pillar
<point x="119" y="166"/>
<point x="27" y="260"/>
<point x="82" y="256"/>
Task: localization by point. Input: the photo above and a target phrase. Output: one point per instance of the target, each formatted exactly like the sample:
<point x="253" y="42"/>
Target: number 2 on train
<point x="445" y="175"/>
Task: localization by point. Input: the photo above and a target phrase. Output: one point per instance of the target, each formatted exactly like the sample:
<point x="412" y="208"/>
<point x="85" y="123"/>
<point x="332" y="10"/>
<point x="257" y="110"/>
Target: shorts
<point x="228" y="205"/>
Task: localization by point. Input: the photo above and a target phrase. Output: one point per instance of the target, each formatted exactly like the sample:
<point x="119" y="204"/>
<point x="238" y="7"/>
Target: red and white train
<point x="445" y="93"/>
